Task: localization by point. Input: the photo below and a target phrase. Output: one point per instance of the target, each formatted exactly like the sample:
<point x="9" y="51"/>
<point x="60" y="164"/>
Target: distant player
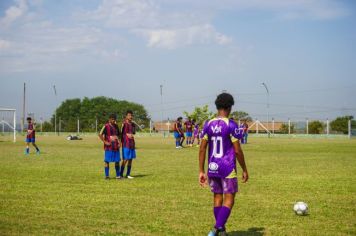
<point x="128" y="144"/>
<point x="109" y="135"/>
<point x="178" y="132"/>
<point x="244" y="127"/>
<point x="31" y="136"/>
<point x="196" y="133"/>
<point x="222" y="136"/>
<point x="189" y="131"/>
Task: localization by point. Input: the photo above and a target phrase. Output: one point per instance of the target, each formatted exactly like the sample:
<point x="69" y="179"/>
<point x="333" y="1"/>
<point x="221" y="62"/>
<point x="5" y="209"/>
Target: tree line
<point x="92" y="111"/>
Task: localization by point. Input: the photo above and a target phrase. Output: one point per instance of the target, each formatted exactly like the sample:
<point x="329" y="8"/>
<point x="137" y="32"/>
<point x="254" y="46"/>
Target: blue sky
<point x="304" y="50"/>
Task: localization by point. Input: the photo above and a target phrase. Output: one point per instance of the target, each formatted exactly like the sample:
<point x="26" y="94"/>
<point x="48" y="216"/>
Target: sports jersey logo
<point x="213" y="166"/>
<point x="216" y="129"/>
<point x="238" y="131"/>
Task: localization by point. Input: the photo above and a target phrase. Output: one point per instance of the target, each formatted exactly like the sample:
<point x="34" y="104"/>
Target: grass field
<point x="63" y="192"/>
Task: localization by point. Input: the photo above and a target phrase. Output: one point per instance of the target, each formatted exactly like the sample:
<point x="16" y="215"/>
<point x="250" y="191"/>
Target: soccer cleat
<point x="129" y="177"/>
<point x="218" y="232"/>
<point x="38" y="152"/>
<point x="118" y="177"/>
<point x="177" y="147"/>
<point x="107" y="177"/>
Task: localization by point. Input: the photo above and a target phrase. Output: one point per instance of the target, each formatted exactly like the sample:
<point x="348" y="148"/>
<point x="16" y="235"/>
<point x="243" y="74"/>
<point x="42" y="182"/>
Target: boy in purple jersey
<point x="222" y="136"/>
<point x="189" y="131"/>
<point x="31" y="136"/>
<point x="128" y="144"/>
<point x="109" y="135"/>
<point x="196" y="133"/>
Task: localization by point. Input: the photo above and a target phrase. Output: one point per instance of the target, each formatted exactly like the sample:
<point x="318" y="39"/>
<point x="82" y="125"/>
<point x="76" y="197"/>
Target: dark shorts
<point x="223" y="185"/>
<point x="177" y="135"/>
<point x="30" y="140"/>
<point x="189" y="134"/>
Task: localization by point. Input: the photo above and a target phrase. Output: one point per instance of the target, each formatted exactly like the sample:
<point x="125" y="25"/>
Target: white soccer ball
<point x="301" y="208"/>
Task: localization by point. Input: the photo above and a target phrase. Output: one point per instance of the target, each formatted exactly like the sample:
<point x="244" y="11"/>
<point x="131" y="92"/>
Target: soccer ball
<point x="300" y="208"/>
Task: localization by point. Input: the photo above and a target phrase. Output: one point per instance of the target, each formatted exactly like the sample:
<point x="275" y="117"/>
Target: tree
<point x="200" y="114"/>
<point x="284" y="129"/>
<point x="340" y="124"/>
<point x="90" y="110"/>
<point x="316" y="127"/>
<point x="46" y="127"/>
<point x="240" y="115"/>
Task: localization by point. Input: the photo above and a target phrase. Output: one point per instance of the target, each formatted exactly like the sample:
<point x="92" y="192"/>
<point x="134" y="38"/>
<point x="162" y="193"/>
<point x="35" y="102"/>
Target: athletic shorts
<point x="189" y="134"/>
<point x="30" y="140"/>
<point x="177" y="134"/>
<point x="128" y="153"/>
<point x="223" y="185"/>
<point x="112" y="156"/>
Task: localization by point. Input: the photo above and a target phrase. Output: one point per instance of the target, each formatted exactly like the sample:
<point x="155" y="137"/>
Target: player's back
<point x="220" y="134"/>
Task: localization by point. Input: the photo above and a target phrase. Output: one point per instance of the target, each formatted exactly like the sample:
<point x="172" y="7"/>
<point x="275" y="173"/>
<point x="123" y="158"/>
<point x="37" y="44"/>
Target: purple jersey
<point x="196" y="130"/>
<point x="220" y="134"/>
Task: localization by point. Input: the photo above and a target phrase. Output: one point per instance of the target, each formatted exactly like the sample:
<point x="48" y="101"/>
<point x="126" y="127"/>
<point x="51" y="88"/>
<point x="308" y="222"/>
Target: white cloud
<point x="14" y="12"/>
<point x="173" y="38"/>
<point x="161" y="28"/>
<point x="4" y="44"/>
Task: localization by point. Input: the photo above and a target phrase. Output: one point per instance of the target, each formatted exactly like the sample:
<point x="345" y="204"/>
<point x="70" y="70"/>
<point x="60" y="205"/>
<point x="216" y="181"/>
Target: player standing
<point x="244" y="127"/>
<point x="128" y="144"/>
<point x="222" y="136"/>
<point x="188" y="131"/>
<point x="109" y="135"/>
<point x="31" y="136"/>
<point x="178" y="132"/>
<point x="196" y="132"/>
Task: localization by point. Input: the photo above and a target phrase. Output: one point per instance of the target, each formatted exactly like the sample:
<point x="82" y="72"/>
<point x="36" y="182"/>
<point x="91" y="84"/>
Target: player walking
<point x="31" y="136"/>
<point x="178" y="132"/>
<point x="196" y="133"/>
<point x="188" y="131"/>
<point x="222" y="136"/>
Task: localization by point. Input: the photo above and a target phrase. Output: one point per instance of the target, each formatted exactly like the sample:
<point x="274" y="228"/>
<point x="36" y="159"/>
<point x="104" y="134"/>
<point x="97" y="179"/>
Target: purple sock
<point x="216" y="212"/>
<point x="224" y="214"/>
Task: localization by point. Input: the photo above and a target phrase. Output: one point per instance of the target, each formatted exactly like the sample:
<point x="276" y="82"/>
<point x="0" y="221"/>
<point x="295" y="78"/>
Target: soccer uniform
<point x="111" y="134"/>
<point x="128" y="144"/>
<point x="188" y="128"/>
<point x="31" y="134"/>
<point x="220" y="134"/>
<point x="196" y="131"/>
<point x="244" y="128"/>
<point x="178" y="130"/>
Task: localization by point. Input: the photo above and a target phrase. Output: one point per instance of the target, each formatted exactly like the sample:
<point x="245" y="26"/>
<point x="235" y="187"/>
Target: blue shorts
<point x="112" y="156"/>
<point x="177" y="135"/>
<point x="128" y="153"/>
<point x="30" y="140"/>
<point x="189" y="134"/>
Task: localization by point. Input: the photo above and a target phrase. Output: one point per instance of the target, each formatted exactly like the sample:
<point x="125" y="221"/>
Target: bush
<point x="316" y="127"/>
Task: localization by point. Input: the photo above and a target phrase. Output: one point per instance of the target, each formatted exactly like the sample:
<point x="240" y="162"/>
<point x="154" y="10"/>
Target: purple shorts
<point x="223" y="185"/>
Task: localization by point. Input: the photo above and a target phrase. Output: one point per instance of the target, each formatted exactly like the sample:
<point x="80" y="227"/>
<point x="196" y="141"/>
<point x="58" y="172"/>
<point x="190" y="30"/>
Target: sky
<point x="303" y="50"/>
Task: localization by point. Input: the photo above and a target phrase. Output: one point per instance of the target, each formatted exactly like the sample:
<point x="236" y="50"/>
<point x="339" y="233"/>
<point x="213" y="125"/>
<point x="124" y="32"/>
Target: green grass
<point x="63" y="192"/>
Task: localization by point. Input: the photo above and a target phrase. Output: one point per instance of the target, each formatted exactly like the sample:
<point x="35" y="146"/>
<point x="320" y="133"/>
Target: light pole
<point x="161" y="90"/>
<point x="55" y="112"/>
<point x="264" y="85"/>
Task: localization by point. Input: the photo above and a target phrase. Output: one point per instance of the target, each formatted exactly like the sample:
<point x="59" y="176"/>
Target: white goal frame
<point x="6" y="123"/>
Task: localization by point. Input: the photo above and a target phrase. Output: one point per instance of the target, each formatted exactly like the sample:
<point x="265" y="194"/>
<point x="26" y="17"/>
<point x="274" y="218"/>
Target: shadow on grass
<point x="139" y="176"/>
<point x="254" y="231"/>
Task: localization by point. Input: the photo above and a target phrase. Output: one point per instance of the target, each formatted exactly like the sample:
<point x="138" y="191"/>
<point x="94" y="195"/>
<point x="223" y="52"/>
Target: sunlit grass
<point x="63" y="191"/>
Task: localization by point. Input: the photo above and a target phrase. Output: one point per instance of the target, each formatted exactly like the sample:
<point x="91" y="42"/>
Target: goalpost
<point x="8" y="122"/>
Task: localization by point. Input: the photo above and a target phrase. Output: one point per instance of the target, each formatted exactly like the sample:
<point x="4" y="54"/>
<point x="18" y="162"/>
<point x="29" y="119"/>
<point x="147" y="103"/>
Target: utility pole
<point x="264" y="84"/>
<point x="23" y="107"/>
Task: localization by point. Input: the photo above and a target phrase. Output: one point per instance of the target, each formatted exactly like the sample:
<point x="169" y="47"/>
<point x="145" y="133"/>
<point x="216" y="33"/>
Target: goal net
<point x="7" y="124"/>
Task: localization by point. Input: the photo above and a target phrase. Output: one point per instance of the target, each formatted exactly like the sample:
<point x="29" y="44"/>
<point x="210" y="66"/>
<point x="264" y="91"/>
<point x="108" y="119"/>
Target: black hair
<point x="224" y="101"/>
<point x="112" y="116"/>
<point x="129" y="112"/>
<point x="179" y="118"/>
<point x="28" y="118"/>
